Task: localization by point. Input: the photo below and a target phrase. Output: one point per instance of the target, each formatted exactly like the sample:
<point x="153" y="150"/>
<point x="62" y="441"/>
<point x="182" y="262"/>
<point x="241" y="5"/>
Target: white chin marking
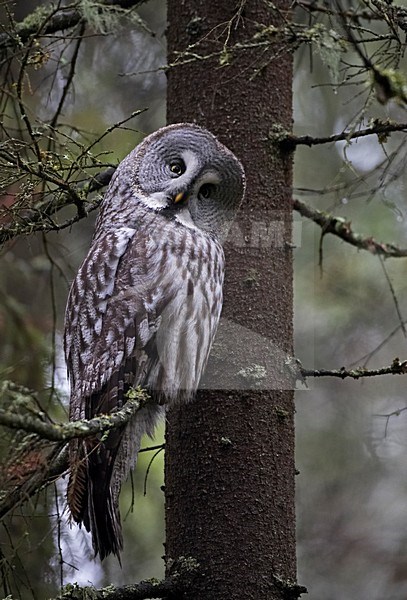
<point x="184" y="217"/>
<point x="156" y="201"/>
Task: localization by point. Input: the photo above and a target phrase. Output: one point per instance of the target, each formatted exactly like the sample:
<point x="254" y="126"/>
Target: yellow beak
<point x="179" y="197"/>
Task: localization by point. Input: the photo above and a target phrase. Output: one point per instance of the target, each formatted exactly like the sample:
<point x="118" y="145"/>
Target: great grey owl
<point x="145" y="304"/>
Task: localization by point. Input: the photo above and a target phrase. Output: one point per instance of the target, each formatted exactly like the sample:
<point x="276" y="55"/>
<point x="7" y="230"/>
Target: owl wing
<point x="108" y="324"/>
<point x="109" y="346"/>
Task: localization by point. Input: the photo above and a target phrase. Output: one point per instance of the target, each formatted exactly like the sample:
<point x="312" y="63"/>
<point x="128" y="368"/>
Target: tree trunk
<point x="230" y="454"/>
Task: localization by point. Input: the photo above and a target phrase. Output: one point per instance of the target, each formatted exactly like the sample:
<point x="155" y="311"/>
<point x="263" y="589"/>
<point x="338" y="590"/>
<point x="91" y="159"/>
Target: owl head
<point x="183" y="172"/>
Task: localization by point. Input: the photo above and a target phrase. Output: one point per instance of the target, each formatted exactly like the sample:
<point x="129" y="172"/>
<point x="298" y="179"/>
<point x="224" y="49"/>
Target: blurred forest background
<point x="350" y="307"/>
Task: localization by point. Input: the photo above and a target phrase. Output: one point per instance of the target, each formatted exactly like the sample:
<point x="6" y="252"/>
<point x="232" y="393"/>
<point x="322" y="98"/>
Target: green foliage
<point x="330" y="46"/>
<point x="73" y="591"/>
<point x="390" y="84"/>
<point x="105" y="19"/>
<point x="37" y="18"/>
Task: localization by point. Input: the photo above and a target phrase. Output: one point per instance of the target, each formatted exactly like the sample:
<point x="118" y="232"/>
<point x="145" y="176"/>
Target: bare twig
<point x="367" y="357"/>
<point x="388" y="416"/>
<point x="57" y="465"/>
<point x="351" y="13"/>
<point x="70" y="76"/>
<point x="393" y="295"/>
<point x="385" y="11"/>
<point x="35" y="221"/>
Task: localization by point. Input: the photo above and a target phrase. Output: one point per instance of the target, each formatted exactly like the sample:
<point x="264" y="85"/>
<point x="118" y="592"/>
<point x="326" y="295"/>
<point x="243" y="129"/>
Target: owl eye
<point x="206" y="190"/>
<point x="177" y="167"/>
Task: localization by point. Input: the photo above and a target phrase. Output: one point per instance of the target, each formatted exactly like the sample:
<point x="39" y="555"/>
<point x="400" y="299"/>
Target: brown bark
<point x="230" y="454"/>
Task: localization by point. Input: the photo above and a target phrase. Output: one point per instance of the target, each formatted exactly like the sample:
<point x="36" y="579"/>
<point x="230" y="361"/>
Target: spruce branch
<point x="180" y="579"/>
<point x="61" y="432"/>
<point x="342" y="228"/>
<point x="137" y="591"/>
<point x="66" y="17"/>
<point x="385" y="11"/>
<point x="397" y="367"/>
<point x="380" y="128"/>
<point x="40" y="457"/>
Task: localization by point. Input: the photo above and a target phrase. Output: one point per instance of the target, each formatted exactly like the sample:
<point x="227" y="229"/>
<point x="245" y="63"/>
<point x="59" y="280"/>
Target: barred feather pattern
<point x="142" y="311"/>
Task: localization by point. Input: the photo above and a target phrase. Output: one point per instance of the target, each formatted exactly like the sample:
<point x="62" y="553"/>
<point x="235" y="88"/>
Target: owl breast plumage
<point x="145" y="304"/>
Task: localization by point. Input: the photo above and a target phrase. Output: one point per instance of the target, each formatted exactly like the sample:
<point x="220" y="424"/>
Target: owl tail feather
<point x="91" y="500"/>
<point x="98" y="470"/>
<point x="102" y="517"/>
